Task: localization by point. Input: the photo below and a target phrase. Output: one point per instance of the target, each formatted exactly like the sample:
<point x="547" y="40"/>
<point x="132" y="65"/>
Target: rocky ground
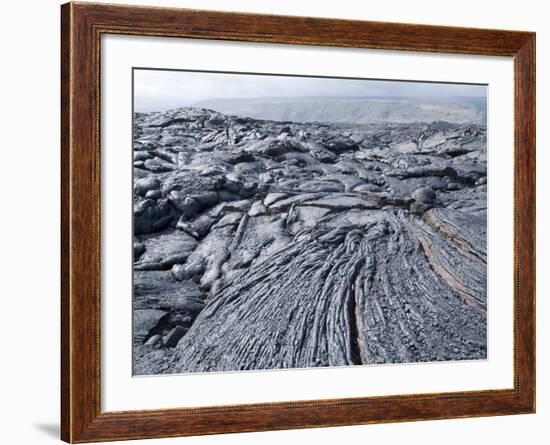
<point x="263" y="244"/>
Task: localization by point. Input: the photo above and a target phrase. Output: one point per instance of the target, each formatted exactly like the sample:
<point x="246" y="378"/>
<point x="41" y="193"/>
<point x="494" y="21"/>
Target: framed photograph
<point x="274" y="222"/>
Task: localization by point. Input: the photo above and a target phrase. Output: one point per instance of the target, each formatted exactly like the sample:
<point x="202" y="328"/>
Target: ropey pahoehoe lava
<point x="262" y="244"/>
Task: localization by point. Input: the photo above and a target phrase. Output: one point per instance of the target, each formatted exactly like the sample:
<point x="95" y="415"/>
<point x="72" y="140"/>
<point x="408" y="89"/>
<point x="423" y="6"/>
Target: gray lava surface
<point x="265" y="244"/>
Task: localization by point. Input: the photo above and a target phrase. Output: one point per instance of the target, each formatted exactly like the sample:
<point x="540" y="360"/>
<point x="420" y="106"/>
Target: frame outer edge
<point x="66" y="78"/>
<point x="80" y="268"/>
<point x="525" y="214"/>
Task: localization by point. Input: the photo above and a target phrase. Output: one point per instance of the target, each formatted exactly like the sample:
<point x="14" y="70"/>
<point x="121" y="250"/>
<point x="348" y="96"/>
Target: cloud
<point x="160" y="90"/>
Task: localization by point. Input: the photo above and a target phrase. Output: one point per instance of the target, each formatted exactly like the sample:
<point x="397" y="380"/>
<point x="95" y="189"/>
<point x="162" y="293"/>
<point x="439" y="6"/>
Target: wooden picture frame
<point x="82" y="26"/>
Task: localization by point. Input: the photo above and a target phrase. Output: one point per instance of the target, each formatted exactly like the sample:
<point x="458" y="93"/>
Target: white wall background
<point x="29" y="227"/>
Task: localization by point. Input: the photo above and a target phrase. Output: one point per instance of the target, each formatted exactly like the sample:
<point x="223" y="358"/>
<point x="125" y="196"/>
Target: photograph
<point x="284" y="221"/>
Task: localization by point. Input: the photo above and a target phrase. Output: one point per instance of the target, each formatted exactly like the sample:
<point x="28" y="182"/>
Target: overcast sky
<point x="157" y="90"/>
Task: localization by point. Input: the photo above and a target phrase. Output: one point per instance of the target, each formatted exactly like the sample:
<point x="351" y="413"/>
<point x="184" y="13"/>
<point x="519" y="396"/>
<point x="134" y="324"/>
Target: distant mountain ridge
<point x="355" y="109"/>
